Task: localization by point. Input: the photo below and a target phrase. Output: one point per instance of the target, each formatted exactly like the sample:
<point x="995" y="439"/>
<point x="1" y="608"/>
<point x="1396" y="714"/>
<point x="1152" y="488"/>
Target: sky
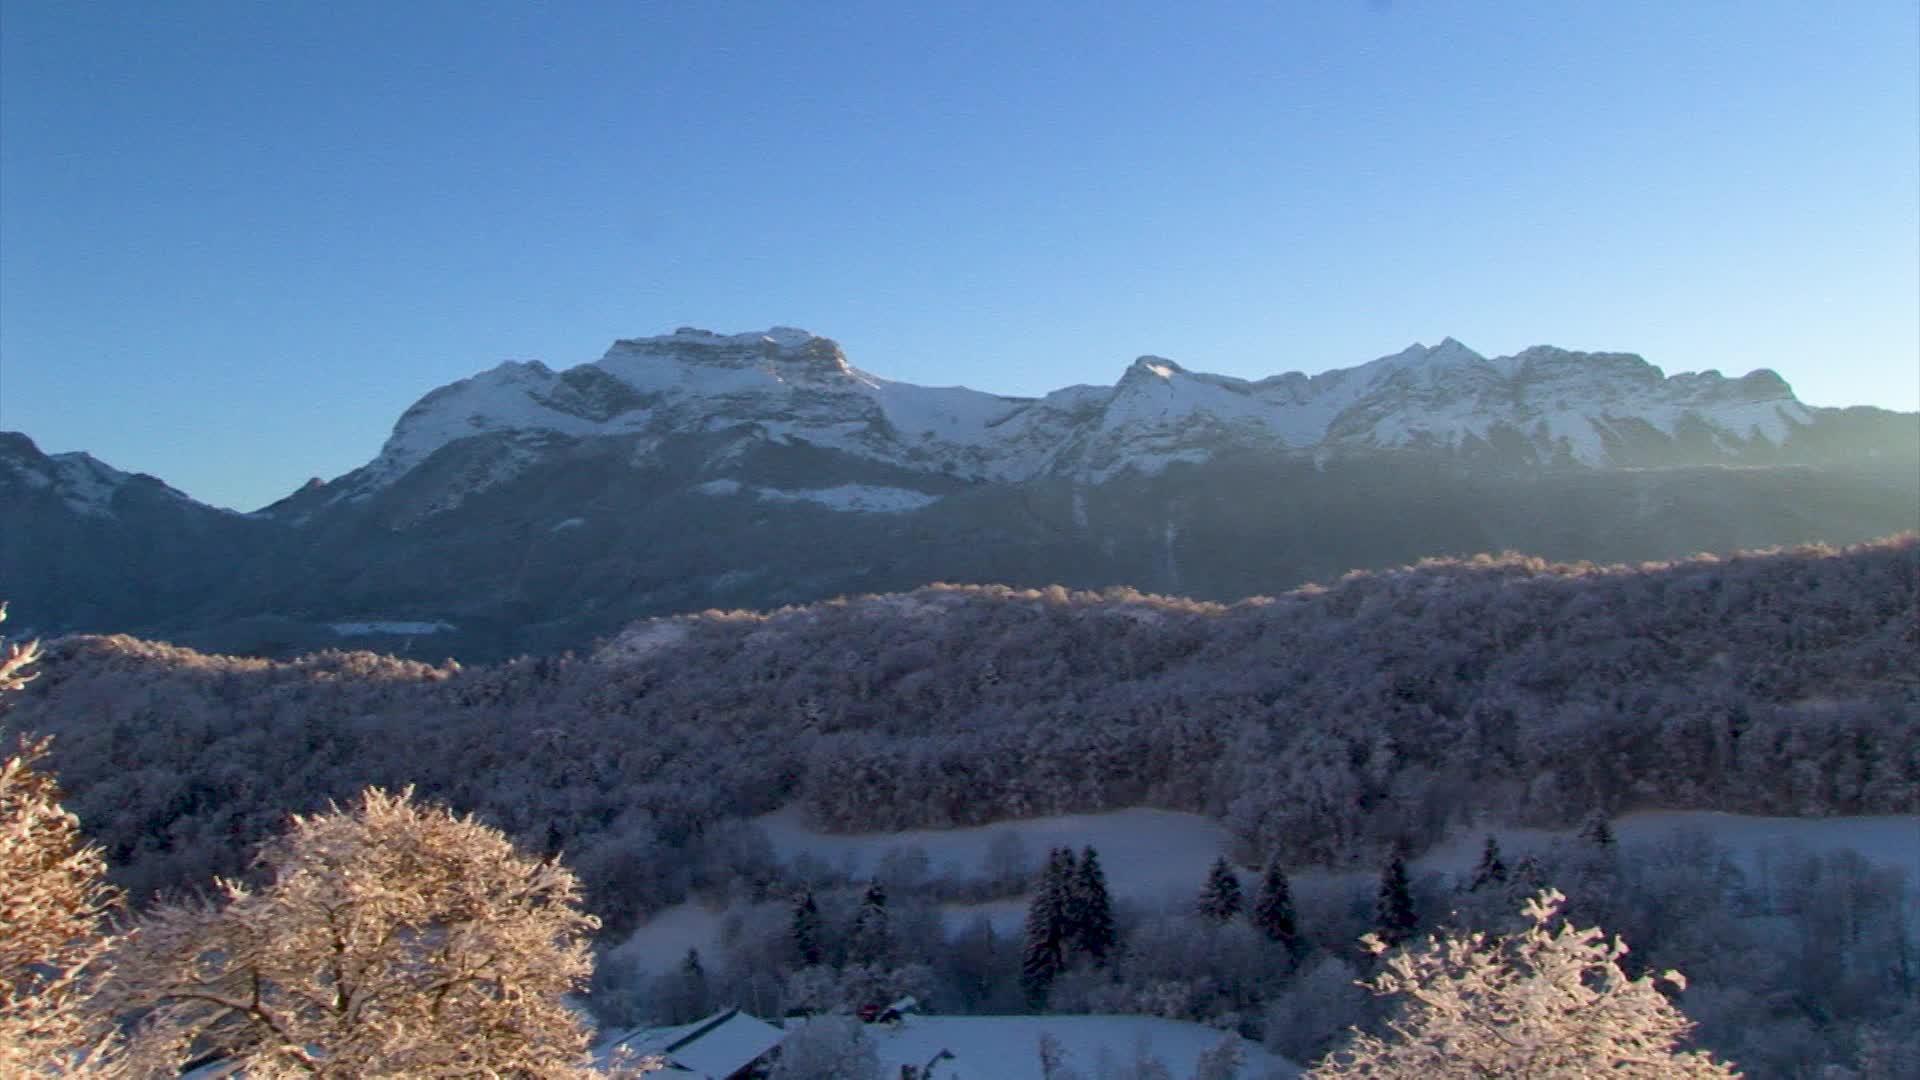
<point x="237" y="240"/>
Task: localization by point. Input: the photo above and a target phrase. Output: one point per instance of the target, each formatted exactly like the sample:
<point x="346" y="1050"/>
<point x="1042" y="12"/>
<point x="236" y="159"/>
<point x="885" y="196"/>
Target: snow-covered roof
<point x="712" y="1049"/>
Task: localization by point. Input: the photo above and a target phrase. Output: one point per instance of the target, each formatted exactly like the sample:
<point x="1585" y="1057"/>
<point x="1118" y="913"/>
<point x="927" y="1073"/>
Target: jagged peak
<point x="782" y="337"/>
<point x="1153" y="367"/>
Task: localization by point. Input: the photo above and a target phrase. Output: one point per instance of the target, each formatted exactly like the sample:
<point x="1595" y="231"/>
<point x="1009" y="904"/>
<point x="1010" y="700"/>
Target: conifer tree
<point x="1393" y="915"/>
<point x="1492" y="870"/>
<point x="1598" y="831"/>
<point x="806" y="931"/>
<point x="1093" y="931"/>
<point x="871" y="941"/>
<point x="1220" y="899"/>
<point x="1043" y="955"/>
<point x="1273" y="908"/>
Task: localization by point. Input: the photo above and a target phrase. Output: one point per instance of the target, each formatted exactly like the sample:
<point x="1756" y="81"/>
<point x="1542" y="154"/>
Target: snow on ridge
<point x="86" y="483"/>
<point x="395" y="627"/>
<point x="641" y="640"/>
<point x="852" y="498"/>
<point x="788" y="384"/>
<point x="858" y="498"/>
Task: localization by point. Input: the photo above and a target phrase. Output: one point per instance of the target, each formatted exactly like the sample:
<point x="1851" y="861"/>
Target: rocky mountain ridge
<point x="1543" y="406"/>
<point x="528" y="509"/>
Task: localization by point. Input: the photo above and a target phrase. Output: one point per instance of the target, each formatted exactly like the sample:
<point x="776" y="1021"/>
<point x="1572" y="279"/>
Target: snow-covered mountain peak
<point x="85" y="483"/>
<point x="1158" y="367"/>
<point x="784" y="384"/>
<point x="781" y="352"/>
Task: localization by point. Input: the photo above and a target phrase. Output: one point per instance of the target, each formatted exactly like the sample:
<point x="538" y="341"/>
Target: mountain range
<point x="528" y="509"/>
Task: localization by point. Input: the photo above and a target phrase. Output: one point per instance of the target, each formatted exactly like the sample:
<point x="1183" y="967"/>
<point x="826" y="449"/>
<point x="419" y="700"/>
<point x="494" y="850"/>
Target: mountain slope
<point x="1326" y="723"/>
<point x="528" y="509"/>
<point x="1543" y="405"/>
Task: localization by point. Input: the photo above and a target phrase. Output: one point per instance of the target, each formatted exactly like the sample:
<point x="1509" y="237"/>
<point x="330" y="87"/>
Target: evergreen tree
<point x="1492" y="870"/>
<point x="1273" y="908"/>
<point x="806" y="931"/>
<point x="686" y="995"/>
<point x="1526" y="878"/>
<point x="1393" y="916"/>
<point x="1598" y="831"/>
<point x="1043" y="956"/>
<point x="1091" y="914"/>
<point x="871" y="941"/>
<point x="1220" y="899"/>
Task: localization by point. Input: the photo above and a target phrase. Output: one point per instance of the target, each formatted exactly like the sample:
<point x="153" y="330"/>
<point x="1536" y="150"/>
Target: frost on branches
<point x="389" y="940"/>
<point x="52" y="904"/>
<point x="1540" y="1003"/>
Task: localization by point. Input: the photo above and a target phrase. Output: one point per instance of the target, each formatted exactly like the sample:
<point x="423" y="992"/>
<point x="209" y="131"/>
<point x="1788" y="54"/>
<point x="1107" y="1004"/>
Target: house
<point x="723" y="1046"/>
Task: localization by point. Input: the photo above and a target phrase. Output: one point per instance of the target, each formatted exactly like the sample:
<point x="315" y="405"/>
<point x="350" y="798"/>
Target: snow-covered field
<point x="1145" y="852"/>
<point x="1007" y="1047"/>
<point x="1155" y="857"/>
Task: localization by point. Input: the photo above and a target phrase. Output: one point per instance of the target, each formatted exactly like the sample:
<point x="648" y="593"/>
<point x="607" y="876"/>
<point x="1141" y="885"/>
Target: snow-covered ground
<point x="1146" y="852"/>
<point x="1156" y="857"/>
<point x="1007" y="1047"/>
<point x="1888" y="841"/>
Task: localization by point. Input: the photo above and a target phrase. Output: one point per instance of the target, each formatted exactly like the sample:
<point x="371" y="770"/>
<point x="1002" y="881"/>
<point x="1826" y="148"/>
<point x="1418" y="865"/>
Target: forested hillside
<point x="1322" y="725"/>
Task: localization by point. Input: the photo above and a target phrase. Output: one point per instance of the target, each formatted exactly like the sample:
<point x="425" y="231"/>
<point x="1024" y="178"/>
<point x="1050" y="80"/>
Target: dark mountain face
<point x="84" y="545"/>
<point x="528" y="511"/>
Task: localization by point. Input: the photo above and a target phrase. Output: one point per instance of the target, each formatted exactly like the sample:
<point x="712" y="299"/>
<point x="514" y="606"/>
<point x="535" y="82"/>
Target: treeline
<point x="1322" y="726"/>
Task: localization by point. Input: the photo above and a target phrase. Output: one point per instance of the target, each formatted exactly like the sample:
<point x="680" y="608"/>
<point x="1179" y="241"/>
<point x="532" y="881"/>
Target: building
<point x="724" y="1046"/>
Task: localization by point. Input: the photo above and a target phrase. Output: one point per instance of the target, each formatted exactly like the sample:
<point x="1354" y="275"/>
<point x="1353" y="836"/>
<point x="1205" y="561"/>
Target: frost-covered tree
<point x="827" y="1048"/>
<point x="804" y="932"/>
<point x="388" y="939"/>
<point x="1547" y="1002"/>
<point x="1091" y="925"/>
<point x="1220" y="899"/>
<point x="871" y="939"/>
<point x="53" y="904"/>
<point x="1222" y="1060"/>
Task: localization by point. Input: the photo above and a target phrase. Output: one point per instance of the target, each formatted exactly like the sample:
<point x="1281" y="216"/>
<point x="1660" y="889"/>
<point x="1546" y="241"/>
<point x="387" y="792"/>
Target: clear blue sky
<point x="238" y="239"/>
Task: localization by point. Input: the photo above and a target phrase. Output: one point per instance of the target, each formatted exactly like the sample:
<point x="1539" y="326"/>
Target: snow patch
<point x="638" y="641"/>
<point x="848" y="498"/>
<point x="388" y="626"/>
<point x="856" y="498"/>
<point x="1149" y="855"/>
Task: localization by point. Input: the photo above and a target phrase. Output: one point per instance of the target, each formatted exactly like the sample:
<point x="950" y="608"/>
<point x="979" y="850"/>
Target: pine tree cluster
<point x="1071" y="915"/>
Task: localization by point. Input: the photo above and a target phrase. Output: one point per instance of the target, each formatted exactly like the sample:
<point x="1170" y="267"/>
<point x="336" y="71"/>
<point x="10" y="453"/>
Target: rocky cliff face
<point x="784" y="385"/>
<point x="531" y="509"/>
